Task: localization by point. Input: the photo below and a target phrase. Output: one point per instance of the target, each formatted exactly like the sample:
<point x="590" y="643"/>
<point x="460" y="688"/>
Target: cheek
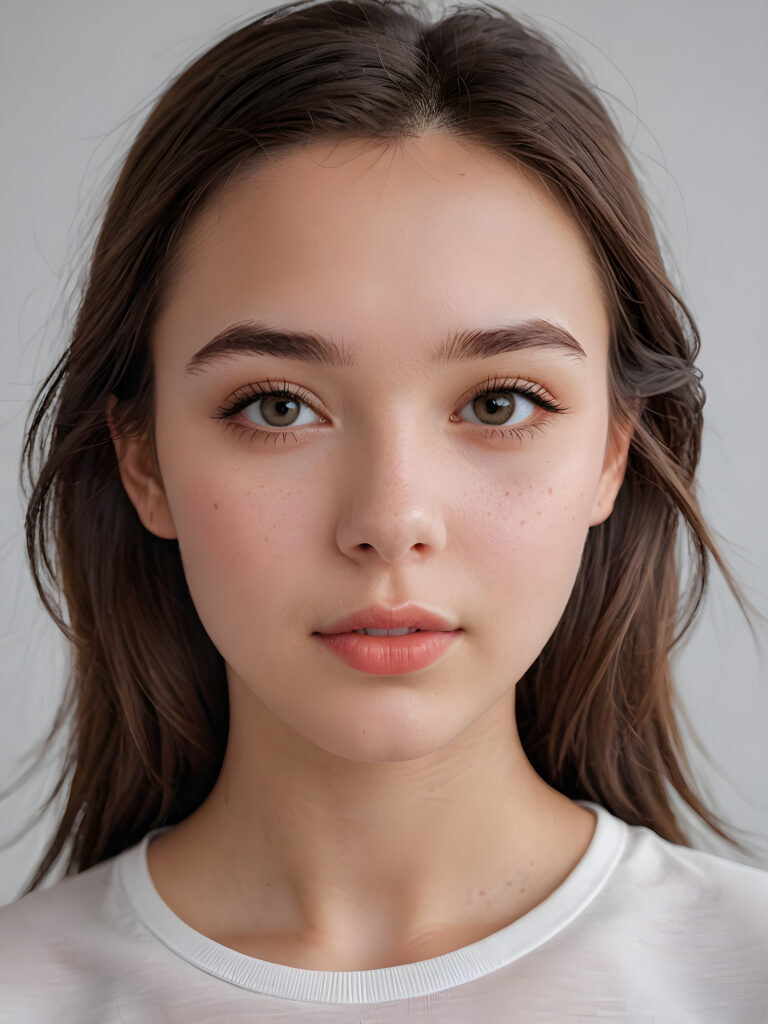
<point x="528" y="553"/>
<point x="243" y="544"/>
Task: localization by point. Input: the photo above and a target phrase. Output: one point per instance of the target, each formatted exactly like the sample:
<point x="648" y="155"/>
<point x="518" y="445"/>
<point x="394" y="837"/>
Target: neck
<point x="320" y="859"/>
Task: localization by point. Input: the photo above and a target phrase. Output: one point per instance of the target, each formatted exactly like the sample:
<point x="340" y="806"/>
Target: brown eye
<point x="500" y="408"/>
<point x="278" y="410"/>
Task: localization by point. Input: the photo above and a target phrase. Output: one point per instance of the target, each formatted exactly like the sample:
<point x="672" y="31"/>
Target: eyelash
<point x="246" y="395"/>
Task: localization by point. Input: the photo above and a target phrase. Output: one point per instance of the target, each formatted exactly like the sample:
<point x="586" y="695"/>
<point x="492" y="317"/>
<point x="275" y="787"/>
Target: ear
<point x="615" y="464"/>
<point x="141" y="477"/>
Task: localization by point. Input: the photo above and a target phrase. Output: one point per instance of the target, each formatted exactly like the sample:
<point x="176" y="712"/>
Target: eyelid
<point x="252" y="392"/>
<point x="530" y="389"/>
<point x="527" y="387"/>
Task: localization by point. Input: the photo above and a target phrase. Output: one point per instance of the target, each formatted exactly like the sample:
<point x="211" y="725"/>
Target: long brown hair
<point x="146" y="697"/>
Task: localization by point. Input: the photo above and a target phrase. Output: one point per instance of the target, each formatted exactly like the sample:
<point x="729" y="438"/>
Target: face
<point x="466" y="485"/>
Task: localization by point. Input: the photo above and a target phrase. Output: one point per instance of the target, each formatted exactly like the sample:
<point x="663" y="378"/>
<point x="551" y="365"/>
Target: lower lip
<point x="389" y="655"/>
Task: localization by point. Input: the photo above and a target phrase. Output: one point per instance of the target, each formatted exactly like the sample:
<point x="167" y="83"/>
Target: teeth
<point x="388" y="632"/>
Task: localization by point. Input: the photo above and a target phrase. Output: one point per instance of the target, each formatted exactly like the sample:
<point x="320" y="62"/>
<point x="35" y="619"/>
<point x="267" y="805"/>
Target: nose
<point x="392" y="500"/>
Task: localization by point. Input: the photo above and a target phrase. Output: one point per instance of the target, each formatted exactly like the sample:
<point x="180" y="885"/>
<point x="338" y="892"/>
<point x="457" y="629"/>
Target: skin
<point x="364" y="821"/>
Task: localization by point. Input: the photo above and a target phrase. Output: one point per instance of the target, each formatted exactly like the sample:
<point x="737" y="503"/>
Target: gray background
<point x="687" y="81"/>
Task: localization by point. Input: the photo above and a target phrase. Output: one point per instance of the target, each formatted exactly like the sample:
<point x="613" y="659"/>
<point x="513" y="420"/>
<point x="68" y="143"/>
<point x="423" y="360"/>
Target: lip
<point x="383" y="617"/>
<point x="389" y="655"/>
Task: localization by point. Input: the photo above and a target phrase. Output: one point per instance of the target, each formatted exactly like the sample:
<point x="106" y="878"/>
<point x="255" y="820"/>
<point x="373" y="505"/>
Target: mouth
<point x="387" y="634"/>
<point x="389" y="652"/>
<point x="406" y="631"/>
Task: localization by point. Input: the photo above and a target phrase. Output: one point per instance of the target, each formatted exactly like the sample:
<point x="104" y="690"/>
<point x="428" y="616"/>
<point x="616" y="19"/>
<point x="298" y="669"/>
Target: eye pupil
<point x="495" y="404"/>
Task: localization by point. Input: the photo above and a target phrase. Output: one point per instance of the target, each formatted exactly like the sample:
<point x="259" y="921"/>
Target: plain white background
<point x="686" y="79"/>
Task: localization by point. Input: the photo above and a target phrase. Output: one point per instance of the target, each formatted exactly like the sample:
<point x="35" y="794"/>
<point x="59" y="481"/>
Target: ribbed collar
<point x="387" y="983"/>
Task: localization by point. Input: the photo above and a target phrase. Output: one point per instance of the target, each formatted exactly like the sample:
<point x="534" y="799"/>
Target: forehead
<point x="391" y="243"/>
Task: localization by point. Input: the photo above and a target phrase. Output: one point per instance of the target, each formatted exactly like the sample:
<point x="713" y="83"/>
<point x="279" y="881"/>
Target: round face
<point x="381" y="378"/>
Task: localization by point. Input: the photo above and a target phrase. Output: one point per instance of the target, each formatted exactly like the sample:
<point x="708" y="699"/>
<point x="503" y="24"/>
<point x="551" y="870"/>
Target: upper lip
<point x="383" y="617"/>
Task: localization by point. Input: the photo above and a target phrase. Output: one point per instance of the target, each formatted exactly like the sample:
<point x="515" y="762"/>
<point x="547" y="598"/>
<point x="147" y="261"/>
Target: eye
<point x="277" y="409"/>
<point x="508" y="405"/>
<point x="502" y="408"/>
<point x="269" y="406"/>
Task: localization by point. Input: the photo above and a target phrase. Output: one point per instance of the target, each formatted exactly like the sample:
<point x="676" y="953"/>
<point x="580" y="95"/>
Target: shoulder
<point x="726" y="888"/>
<point x="697" y="904"/>
<point x="679" y="931"/>
<point x="65" y="948"/>
<point x="49" y="925"/>
<point x="70" y="903"/>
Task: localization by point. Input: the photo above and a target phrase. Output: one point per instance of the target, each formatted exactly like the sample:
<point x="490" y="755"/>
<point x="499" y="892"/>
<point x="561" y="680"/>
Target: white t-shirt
<point x="641" y="930"/>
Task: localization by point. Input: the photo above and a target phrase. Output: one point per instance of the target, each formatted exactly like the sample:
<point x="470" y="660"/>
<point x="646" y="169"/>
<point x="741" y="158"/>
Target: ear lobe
<point x="141" y="478"/>
<point x="614" y="468"/>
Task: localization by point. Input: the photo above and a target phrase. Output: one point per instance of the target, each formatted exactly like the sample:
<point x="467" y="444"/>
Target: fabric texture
<point x="641" y="930"/>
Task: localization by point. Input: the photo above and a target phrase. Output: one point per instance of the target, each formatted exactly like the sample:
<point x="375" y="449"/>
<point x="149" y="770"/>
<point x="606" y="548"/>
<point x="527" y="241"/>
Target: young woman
<point x="365" y="469"/>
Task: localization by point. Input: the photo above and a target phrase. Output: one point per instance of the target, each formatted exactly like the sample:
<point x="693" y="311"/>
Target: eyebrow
<point x="253" y="337"/>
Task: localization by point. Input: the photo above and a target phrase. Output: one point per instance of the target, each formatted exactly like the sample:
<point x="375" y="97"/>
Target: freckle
<point x="507" y="493"/>
<point x="482" y="892"/>
<point x="519" y="494"/>
<point x="522" y="522"/>
<point x="549" y="489"/>
<point x="538" y="513"/>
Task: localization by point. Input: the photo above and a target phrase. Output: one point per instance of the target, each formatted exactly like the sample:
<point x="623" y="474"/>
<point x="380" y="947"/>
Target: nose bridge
<point x="394" y="433"/>
<point x="394" y="496"/>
